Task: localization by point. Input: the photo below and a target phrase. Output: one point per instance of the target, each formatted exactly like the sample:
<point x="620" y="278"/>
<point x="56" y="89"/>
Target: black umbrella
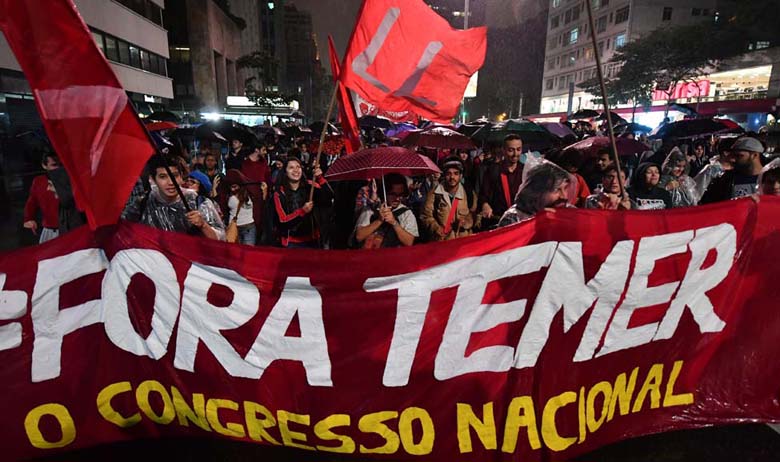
<point x="695" y="128"/>
<point x="229" y="129"/>
<point x="632" y="128"/>
<point x="316" y="127"/>
<point x="375" y="122"/>
<point x="583" y="114"/>
<point x="164" y="116"/>
<point x="615" y="117"/>
<point x="296" y="131"/>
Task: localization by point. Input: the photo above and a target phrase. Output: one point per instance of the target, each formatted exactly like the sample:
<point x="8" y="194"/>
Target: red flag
<point x="349" y="122"/>
<point x="403" y="56"/>
<point x="85" y="110"/>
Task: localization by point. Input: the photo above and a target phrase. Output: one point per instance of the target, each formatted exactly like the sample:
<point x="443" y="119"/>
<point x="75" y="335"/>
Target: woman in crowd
<point x="675" y="179"/>
<point x="644" y="189"/>
<point x="295" y="224"/>
<point x="241" y="207"/>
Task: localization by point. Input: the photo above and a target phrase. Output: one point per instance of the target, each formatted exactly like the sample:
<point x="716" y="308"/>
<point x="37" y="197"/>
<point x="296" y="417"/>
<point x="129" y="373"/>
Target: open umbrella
<point x="695" y="128"/>
<point x="375" y="122"/>
<point x="229" y="129"/>
<point x="316" y="127"/>
<point x="534" y="137"/>
<point x="632" y="128"/>
<point x="164" y="116"/>
<point x="377" y="162"/>
<point x="558" y="129"/>
<point x="439" y="138"/>
<point x="616" y="119"/>
<point x="583" y="114"/>
<point x="470" y="128"/>
<point x="160" y="126"/>
<point x="297" y="130"/>
<point x="589" y="147"/>
<point x="264" y="130"/>
<point x="198" y="133"/>
<point x="400" y="128"/>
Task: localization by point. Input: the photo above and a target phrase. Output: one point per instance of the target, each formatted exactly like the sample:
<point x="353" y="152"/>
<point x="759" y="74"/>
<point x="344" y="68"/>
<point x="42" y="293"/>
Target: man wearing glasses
<point x="392" y="224"/>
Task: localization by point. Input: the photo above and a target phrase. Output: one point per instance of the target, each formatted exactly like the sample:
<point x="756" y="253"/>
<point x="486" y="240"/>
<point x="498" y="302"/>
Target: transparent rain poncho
<point x="684" y="194"/>
<point x="154" y="211"/>
<point x="702" y="181"/>
<point x="539" y="177"/>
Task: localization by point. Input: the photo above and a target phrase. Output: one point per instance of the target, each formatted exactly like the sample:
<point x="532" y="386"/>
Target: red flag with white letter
<point x="85" y="110"/>
<point x="349" y="122"/>
<point x="403" y="56"/>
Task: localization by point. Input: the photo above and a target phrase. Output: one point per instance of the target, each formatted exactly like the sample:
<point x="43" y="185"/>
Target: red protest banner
<point x="347" y="115"/>
<point x="405" y="57"/>
<point x="85" y="110"/>
<point x="539" y="341"/>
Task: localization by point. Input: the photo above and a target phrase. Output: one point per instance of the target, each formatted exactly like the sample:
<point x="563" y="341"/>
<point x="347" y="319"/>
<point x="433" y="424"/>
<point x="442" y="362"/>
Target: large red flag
<point x="349" y="122"/>
<point x="403" y="56"/>
<point x="85" y="110"/>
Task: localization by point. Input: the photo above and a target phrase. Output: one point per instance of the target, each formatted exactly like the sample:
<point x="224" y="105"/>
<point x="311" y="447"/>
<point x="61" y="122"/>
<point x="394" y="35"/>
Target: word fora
<point x="388" y="431"/>
<point x="564" y="288"/>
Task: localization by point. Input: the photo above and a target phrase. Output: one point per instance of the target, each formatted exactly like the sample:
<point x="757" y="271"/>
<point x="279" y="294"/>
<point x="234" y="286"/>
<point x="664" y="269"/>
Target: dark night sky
<point x="334" y="17"/>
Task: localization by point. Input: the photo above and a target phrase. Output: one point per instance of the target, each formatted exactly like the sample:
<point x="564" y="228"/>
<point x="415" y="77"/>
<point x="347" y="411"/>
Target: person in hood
<point x="644" y="189"/>
<point x="545" y="186"/>
<point x="676" y="180"/>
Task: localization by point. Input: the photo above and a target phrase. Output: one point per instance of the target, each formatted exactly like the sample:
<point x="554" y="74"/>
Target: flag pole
<point x="324" y="132"/>
<point x="604" y="99"/>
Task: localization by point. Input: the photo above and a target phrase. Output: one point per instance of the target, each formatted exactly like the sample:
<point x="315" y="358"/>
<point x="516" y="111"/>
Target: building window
<point x="98" y="37"/>
<point x="549" y="84"/>
<point x="555" y="21"/>
<point x="761" y="45"/>
<point x="112" y="52"/>
<point x="556" y="3"/>
<point x="601" y="24"/>
<point x="124" y="52"/>
<point x="135" y="57"/>
<point x="575" y="13"/>
<point x="608" y="41"/>
<point x="601" y="48"/>
<point x="695" y="12"/>
<point x="145" y="8"/>
<point x="621" y="15"/>
<point x="588" y="54"/>
<point x="620" y="40"/>
<point x="705" y="12"/>
<point x="667" y="16"/>
<point x="567" y="17"/>
<point x="574" y="35"/>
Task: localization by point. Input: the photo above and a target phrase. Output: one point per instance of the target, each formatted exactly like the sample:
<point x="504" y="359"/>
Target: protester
<point x="698" y="159"/>
<point x="446" y="214"/>
<point x="644" y="189"/>
<point x="604" y="159"/>
<point x="236" y="155"/>
<point x="742" y="181"/>
<point x="211" y="161"/>
<point x="769" y="179"/>
<point x="502" y="181"/>
<point x="545" y="186"/>
<point x="392" y="224"/>
<point x="200" y="183"/>
<point x="241" y="207"/>
<point x="255" y="168"/>
<point x="571" y="160"/>
<point x="43" y="198"/>
<point x="675" y="179"/>
<point x="609" y="196"/>
<point x="294" y="221"/>
<point x="163" y="208"/>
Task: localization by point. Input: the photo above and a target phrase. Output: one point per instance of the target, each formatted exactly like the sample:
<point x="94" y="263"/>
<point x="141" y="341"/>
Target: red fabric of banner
<point x="85" y="110"/>
<point x="539" y="341"/>
<point x="403" y="56"/>
<point x="347" y="115"/>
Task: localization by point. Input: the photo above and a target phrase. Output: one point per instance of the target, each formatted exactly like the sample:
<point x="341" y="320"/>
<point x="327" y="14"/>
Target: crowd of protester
<point x="277" y="194"/>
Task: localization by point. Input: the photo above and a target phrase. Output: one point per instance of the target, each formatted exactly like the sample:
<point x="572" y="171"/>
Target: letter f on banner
<point x="418" y="62"/>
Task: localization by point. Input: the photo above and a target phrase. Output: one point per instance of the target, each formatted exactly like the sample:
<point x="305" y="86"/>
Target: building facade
<point x="132" y="36"/>
<point x="569" y="58"/>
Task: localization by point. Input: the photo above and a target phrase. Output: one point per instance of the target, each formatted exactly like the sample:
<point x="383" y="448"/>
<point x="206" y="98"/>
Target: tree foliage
<point x="265" y="65"/>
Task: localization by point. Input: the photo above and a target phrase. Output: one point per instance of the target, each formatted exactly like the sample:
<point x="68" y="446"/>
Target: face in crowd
<point x="512" y="151"/>
<point x="210" y="162"/>
<point x="652" y="176"/>
<point x="557" y="198"/>
<point x="603" y="161"/>
<point x="611" y="183"/>
<point x="237" y="145"/>
<point x="193" y="184"/>
<point x="743" y="160"/>
<point x="452" y="178"/>
<point x="770" y="182"/>
<point x="51" y="163"/>
<point x="294" y="171"/>
<point x="698" y="150"/>
<point x="165" y="183"/>
<point x="395" y="194"/>
<point x="678" y="169"/>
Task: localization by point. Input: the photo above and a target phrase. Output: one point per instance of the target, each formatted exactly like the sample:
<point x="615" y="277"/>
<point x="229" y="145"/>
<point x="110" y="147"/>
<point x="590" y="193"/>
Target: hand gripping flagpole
<point x="604" y="96"/>
<point x="324" y="132"/>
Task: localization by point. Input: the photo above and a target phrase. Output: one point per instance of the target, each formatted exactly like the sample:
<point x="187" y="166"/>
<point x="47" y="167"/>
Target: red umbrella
<point x="439" y="138"/>
<point x="159" y="126"/>
<point x="376" y="162"/>
<point x="589" y="147"/>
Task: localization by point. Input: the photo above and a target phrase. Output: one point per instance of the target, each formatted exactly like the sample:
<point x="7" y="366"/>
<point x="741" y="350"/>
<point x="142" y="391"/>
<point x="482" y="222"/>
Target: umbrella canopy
<point x="616" y="119"/>
<point x="297" y="130"/>
<point x="558" y="129"/>
<point x="695" y="128"/>
<point x="589" y="147"/>
<point x="632" y="128"/>
<point x="583" y="114"/>
<point x="399" y="128"/>
<point x="375" y="122"/>
<point x="534" y="136"/>
<point x="229" y="129"/>
<point x="164" y="116"/>
<point x="376" y="162"/>
<point x="297" y="115"/>
<point x="470" y="128"/>
<point x="204" y="134"/>
<point x="265" y="130"/>
<point x="439" y="138"/>
<point x="160" y="126"/>
<point x="316" y="127"/>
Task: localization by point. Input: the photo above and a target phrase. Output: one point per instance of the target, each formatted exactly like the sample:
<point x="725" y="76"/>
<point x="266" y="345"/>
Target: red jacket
<point x="44" y="200"/>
